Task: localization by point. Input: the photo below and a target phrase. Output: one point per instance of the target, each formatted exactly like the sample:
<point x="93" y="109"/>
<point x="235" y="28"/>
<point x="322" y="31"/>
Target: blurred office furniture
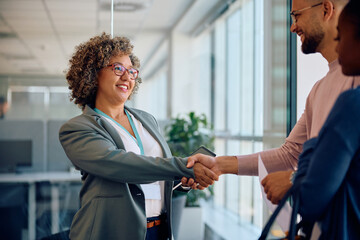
<point x="48" y="197"/>
<point x="13" y="210"/>
<point x="178" y="205"/>
<point x="14" y="154"/>
<point x="46" y="153"/>
<point x="56" y="157"/>
<point x="26" y="130"/>
<point x="64" y="235"/>
<point x="39" y="194"/>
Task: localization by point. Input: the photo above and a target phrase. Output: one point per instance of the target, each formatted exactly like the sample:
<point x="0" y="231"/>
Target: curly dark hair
<point x="351" y="12"/>
<point x="89" y="58"/>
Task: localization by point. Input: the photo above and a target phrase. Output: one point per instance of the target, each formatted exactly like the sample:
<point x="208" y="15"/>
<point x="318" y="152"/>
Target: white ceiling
<point x="37" y="37"/>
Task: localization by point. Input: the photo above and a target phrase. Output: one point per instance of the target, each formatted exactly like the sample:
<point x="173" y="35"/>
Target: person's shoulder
<point x="143" y="115"/>
<point x="82" y="118"/>
<point x="318" y="84"/>
<point x="79" y="122"/>
<point x="350" y="100"/>
<point x="351" y="94"/>
<point x="73" y="121"/>
<point x="140" y="112"/>
<point x="332" y="78"/>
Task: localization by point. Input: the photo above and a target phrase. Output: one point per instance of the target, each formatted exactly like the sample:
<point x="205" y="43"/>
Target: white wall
<point x="190" y="74"/>
<point x="310" y="69"/>
<point x="182" y="81"/>
<point x="151" y="96"/>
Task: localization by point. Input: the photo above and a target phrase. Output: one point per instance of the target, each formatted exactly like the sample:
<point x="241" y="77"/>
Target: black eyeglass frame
<point x="293" y="13"/>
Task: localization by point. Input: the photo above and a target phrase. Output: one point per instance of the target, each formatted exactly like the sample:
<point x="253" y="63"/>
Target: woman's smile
<point x="122" y="87"/>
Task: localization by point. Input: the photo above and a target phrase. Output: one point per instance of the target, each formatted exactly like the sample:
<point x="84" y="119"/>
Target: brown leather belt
<point x="154" y="223"/>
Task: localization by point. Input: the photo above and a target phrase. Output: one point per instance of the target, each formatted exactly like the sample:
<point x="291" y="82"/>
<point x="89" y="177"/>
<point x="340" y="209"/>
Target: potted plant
<point x="184" y="135"/>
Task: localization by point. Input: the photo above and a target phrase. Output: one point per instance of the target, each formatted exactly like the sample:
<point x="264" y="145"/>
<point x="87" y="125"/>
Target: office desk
<point x="31" y="179"/>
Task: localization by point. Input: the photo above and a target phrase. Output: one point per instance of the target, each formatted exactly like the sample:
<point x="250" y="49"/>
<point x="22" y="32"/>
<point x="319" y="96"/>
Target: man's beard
<point x="311" y="42"/>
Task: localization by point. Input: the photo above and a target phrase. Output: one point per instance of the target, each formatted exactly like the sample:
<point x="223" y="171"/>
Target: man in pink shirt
<point x="315" y="22"/>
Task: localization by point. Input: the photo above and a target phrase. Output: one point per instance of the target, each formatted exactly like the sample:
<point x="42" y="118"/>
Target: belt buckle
<point x="153" y="223"/>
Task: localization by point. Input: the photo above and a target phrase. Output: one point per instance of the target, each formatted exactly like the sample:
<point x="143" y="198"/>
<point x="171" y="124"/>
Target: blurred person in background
<point x="4" y="107"/>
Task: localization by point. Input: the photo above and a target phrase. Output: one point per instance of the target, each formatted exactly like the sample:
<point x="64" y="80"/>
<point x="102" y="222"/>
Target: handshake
<point x="207" y="170"/>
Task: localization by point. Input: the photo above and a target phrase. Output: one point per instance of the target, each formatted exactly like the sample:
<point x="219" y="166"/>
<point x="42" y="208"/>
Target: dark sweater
<point x="329" y="171"/>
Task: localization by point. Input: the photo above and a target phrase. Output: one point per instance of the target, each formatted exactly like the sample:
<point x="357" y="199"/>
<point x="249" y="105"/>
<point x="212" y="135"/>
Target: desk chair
<point x="58" y="236"/>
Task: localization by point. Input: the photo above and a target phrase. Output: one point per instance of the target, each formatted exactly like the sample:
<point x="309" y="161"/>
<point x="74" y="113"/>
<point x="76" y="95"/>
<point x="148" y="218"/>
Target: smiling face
<point x="112" y="89"/>
<point x="307" y="26"/>
<point x="348" y="46"/>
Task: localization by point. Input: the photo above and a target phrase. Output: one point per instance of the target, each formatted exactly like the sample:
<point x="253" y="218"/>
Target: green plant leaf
<point x="184" y="135"/>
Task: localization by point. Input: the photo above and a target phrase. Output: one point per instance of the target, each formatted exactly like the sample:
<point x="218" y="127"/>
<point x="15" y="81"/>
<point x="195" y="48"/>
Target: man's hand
<point x="276" y="184"/>
<point x="205" y="170"/>
<point x="218" y="165"/>
<point x="206" y="160"/>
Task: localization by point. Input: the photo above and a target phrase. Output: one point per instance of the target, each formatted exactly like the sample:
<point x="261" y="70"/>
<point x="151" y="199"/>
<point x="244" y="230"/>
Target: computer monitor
<point x="15" y="153"/>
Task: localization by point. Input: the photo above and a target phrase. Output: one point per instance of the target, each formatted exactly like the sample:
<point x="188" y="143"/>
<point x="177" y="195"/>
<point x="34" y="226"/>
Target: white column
<point x="55" y="206"/>
<point x="31" y="211"/>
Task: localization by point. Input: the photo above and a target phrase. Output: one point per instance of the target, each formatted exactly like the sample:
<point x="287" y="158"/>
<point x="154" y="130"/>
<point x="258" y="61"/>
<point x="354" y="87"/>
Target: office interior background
<point x="233" y="60"/>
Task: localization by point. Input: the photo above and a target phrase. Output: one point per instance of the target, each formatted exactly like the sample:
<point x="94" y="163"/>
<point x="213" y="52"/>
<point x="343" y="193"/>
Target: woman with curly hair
<point x="127" y="167"/>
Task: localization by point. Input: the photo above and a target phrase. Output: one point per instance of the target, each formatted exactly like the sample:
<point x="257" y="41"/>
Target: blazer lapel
<point x="154" y="132"/>
<point x="144" y="121"/>
<point x="108" y="127"/>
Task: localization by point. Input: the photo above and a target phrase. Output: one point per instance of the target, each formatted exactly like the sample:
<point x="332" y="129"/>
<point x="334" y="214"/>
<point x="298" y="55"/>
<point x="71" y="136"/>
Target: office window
<point x="232" y="181"/>
<point x="220" y="73"/>
<point x="219" y="187"/>
<point x="199" y="85"/>
<point x="237" y="102"/>
<point x="246" y="115"/>
<point x="233" y="70"/>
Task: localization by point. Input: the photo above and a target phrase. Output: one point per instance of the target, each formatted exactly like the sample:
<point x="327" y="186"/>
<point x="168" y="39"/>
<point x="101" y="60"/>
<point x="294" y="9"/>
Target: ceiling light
<point x="127" y="6"/>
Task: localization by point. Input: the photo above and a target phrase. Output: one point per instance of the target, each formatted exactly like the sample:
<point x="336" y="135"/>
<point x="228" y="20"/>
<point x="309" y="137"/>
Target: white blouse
<point x="154" y="192"/>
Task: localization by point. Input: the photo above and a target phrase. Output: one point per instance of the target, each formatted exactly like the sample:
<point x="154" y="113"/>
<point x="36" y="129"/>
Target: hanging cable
<point x="112" y="19"/>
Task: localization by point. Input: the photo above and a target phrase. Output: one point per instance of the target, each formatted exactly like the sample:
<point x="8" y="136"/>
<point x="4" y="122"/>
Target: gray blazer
<point x="112" y="201"/>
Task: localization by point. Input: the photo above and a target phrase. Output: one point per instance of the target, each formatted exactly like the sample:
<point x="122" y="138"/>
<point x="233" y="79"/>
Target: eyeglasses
<point x="293" y="14"/>
<point x="120" y="70"/>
